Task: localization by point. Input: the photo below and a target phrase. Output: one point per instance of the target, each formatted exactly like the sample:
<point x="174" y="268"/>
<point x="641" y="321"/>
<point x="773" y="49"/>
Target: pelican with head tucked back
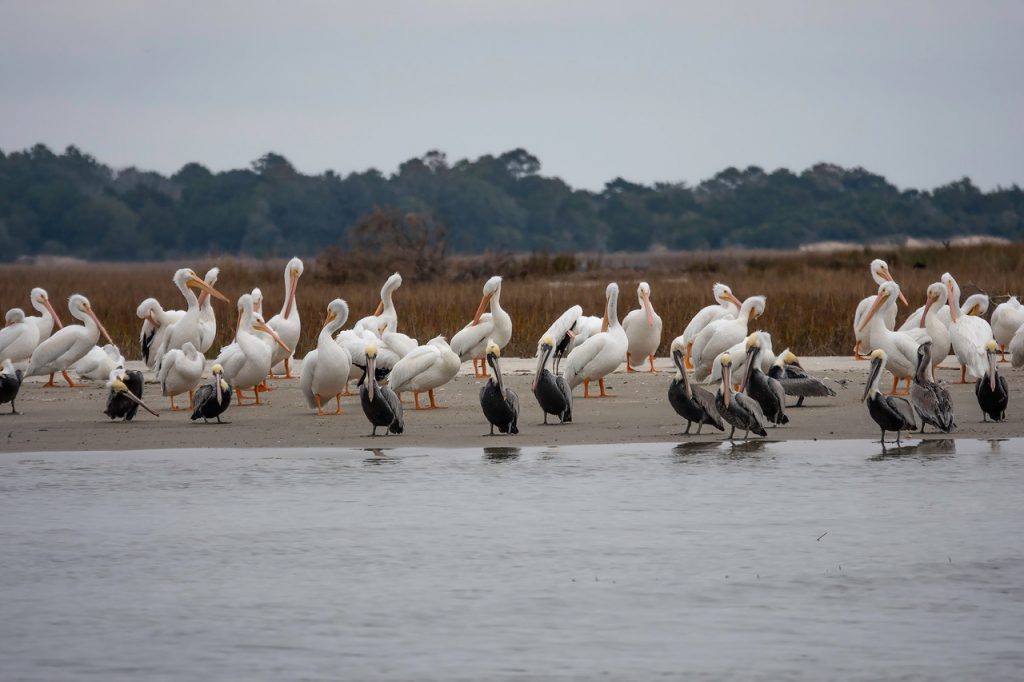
<point x="19" y="337"/>
<point x="423" y="369"/>
<point x="471" y="341"/>
<point x="69" y="345"/>
<point x="180" y="372"/>
<point x="155" y="323"/>
<point x="602" y="353"/>
<point x="1007" y="318"/>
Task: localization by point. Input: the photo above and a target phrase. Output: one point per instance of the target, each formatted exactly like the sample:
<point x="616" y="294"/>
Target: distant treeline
<point x="71" y="204"/>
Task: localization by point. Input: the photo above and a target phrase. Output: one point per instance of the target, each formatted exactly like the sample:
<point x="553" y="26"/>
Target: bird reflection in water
<point x="502" y="454"/>
<point x="928" y="446"/>
<point x="379" y="457"/>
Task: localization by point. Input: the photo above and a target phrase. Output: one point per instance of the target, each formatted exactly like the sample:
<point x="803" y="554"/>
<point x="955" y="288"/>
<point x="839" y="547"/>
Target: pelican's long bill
<point x="542" y="359"/>
<point x="887" y="276"/>
<point x="371" y="375"/>
<point x="195" y="281"/>
<point x="726" y="384"/>
<point x="648" y="309"/>
<point x="991" y="368"/>
<point x="954" y="304"/>
<point x="876" y="370"/>
<point x="219" y="392"/>
<point x="293" y="285"/>
<point x="880" y="300"/>
<point x="53" y="313"/>
<point x="262" y="326"/>
<point x="484" y="302"/>
<point x="121" y="387"/>
<point x="106" y="334"/>
<point x="751" y="353"/>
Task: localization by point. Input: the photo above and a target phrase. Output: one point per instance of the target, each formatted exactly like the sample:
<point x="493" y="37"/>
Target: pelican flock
<point x="717" y="346"/>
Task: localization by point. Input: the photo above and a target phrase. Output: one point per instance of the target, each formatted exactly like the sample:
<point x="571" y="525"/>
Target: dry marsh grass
<point x="811" y="297"/>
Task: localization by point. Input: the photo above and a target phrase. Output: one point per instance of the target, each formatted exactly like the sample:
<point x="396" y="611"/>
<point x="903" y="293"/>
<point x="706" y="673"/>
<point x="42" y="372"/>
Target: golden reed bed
<point x="811" y="297"/>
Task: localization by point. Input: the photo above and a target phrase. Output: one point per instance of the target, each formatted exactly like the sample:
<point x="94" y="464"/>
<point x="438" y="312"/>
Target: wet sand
<point x="73" y="419"/>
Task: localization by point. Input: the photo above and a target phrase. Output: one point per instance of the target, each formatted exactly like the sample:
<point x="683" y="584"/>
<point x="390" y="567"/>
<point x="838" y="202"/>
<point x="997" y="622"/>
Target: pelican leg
<point x="963" y="374"/>
<point x="257" y="394"/>
<point x="731" y="432"/>
<point x="699" y="427"/>
<point x="416" y="399"/>
<point x="586" y="388"/>
<point x="347" y="392"/>
<point x="629" y="364"/>
<point x="400" y="398"/>
<point x="923" y="424"/>
<point x="287" y="370"/>
<point x="799" y="402"/>
<point x="483" y="367"/>
<point x="240" y="402"/>
<point x="882" y="439"/>
<point x="600" y="382"/>
<point x="174" y="408"/>
<point x="433" y="405"/>
<point x="895" y="384"/>
<point x="319" y="407"/>
<point x="50" y="384"/>
<point x="191" y="400"/>
<point x="71" y="384"/>
<point x="1002" y="354"/>
<point x="856" y="351"/>
<point x="262" y="386"/>
<point x="687" y="363"/>
<point x="652" y="370"/>
<point x="688" y="425"/>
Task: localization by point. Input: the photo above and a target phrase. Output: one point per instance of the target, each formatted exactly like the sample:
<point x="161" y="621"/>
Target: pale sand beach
<point x="73" y="419"/>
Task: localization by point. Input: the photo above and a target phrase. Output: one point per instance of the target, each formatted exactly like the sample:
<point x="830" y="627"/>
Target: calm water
<point x="769" y="561"/>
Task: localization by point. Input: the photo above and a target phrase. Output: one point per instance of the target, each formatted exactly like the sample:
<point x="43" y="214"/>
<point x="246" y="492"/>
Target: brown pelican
<point x="880" y="273"/>
<point x="891" y="413"/>
<point x="992" y="392"/>
<point x="125" y="395"/>
<point x="563" y="331"/>
<point x="931" y="401"/>
<point x="500" y="404"/>
<point x="643" y="330"/>
<point x="738" y="409"/>
<point x="795" y="380"/>
<point x="768" y="392"/>
<point x="380" y="404"/>
<point x="213" y="399"/>
<point x="10" y="384"/>
<point x="552" y="392"/>
<point x="692" y="403"/>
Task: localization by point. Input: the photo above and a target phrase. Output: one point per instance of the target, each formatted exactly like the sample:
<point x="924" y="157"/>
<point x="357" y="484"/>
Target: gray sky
<point x="921" y="92"/>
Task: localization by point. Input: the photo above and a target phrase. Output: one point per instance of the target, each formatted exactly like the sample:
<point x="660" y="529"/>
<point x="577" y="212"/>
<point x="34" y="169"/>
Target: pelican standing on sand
<point x="325" y="369"/>
<point x="46" y="319"/>
<point x="552" y="392"/>
<point x="738" y="409"/>
<point x="1006" y="320"/>
<point x="99" y="362"/>
<point x="247" y="361"/>
<point x="187" y="327"/>
<point x="286" y="323"/>
<point x="931" y="328"/>
<point x="900" y="348"/>
<point x="992" y="392"/>
<point x="891" y="413"/>
<point x="380" y="404"/>
<point x="602" y="353"/>
<point x="500" y="404"/>
<point x="643" y="330"/>
<point x="931" y="401"/>
<point x="472" y="340"/>
<point x="19" y="337"/>
<point x="720" y="335"/>
<point x="969" y="337"/>
<point x="728" y="308"/>
<point x="795" y="380"/>
<point x="155" y="323"/>
<point x="10" y="383"/>
<point x="880" y="273"/>
<point x="69" y="345"/>
<point x="692" y="403"/>
<point x="207" y="317"/>
<point x="425" y="368"/>
<point x="768" y="392"/>
<point x="180" y="372"/>
<point x="213" y="399"/>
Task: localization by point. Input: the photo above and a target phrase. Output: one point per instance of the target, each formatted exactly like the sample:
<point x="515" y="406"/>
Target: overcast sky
<point x="921" y="92"/>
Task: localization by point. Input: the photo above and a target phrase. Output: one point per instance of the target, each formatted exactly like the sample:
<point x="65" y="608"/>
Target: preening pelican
<point x="880" y="273"/>
<point x="738" y="409"/>
<point x="500" y="404"/>
<point x="975" y="304"/>
<point x="247" y="361"/>
<point x="423" y="369"/>
<point x="155" y="323"/>
<point x="602" y="353"/>
<point x="992" y="392"/>
<point x="187" y="327"/>
<point x="325" y="369"/>
<point x="380" y="404"/>
<point x="891" y="413"/>
<point x="728" y="308"/>
<point x="124" y="395"/>
<point x="931" y="401"/>
<point x="286" y="323"/>
<point x="692" y="403"/>
<point x="738" y="354"/>
<point x="207" y="317"/>
<point x="1006" y="320"/>
<point x="930" y="328"/>
<point x="643" y="330"/>
<point x="98" y="363"/>
<point x="795" y="381"/>
<point x="19" y="337"/>
<point x="552" y="392"/>
<point x="180" y="372"/>
<point x="562" y="331"/>
<point x="471" y="341"/>
<point x="900" y="348"/>
<point x="10" y="383"/>
<point x="355" y="341"/>
<point x="969" y="336"/>
<point x="768" y="392"/>
<point x="214" y="398"/>
<point x="69" y="345"/>
<point x="721" y="334"/>
<point x="385" y="318"/>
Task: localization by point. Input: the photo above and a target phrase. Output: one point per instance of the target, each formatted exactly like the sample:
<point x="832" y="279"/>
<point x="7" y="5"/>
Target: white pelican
<point x="1016" y="348"/>
<point x="931" y="328"/>
<point x="900" y="348"/>
<point x="738" y="354"/>
<point x="257" y="301"/>
<point x="46" y="319"/>
<point x="247" y="361"/>
<point x="975" y="304"/>
<point x="326" y="368"/>
<point x="401" y="344"/>
<point x="207" y="318"/>
<point x="98" y="363"/>
<point x="355" y="342"/>
<point x="722" y="334"/>
<point x="643" y="329"/>
<point x="880" y="273"/>
<point x="180" y="372"/>
<point x="19" y="337"/>
<point x="69" y="345"/>
<point x="385" y="318"/>
<point x="602" y="353"/>
<point x="728" y="307"/>
<point x="155" y="323"/>
<point x="1006" y="320"/>
<point x="968" y="335"/>
<point x="471" y="340"/>
<point x="563" y="333"/>
<point x="286" y="323"/>
<point x="187" y="327"/>
<point x="425" y="368"/>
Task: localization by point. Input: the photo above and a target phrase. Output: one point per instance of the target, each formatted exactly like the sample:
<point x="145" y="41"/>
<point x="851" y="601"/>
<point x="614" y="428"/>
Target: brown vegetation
<point x="811" y="297"/>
